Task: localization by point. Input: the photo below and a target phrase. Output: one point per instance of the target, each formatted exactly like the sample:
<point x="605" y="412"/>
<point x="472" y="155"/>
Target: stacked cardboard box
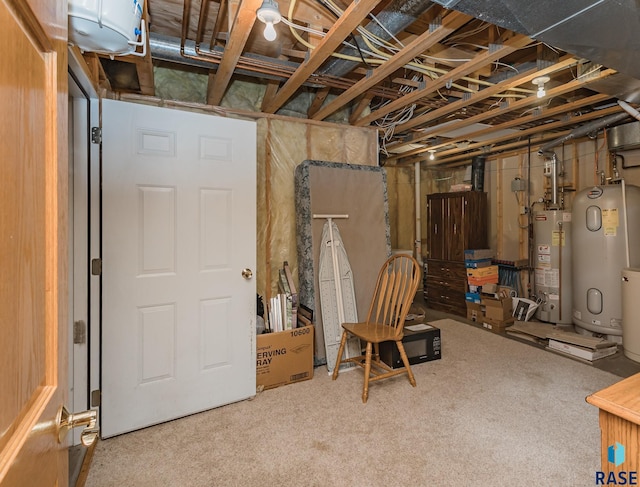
<point x="494" y="311"/>
<point x="480" y="272"/>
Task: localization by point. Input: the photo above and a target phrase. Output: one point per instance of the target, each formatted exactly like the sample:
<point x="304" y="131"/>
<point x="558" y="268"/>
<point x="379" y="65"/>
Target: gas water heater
<point x="552" y="255"/>
<point x="606" y="239"/>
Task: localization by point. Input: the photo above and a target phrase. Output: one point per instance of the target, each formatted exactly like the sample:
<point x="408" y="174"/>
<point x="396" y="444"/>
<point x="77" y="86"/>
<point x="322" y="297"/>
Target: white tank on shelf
<point x="106" y="26"/>
<point x="606" y="239"/>
<point x="552" y="284"/>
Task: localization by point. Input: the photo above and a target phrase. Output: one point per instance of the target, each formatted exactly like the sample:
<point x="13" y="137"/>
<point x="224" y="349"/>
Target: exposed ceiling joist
<point x="467" y="81"/>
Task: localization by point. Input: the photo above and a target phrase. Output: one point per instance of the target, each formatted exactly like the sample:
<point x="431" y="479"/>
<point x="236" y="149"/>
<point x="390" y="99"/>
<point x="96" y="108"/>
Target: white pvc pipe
<point x="418" y="201"/>
<point x="626" y="221"/>
<point x="629" y="109"/>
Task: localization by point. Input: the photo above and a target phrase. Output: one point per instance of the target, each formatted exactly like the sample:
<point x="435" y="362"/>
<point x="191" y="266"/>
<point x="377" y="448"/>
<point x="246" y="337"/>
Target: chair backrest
<point x="395" y="290"/>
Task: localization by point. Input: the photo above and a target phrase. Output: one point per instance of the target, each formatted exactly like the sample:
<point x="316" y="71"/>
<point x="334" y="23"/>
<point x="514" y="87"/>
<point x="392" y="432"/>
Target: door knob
<point x="65" y="421"/>
<point x="247" y="274"/>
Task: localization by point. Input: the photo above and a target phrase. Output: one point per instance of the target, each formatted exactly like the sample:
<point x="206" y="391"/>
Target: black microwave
<point x="422" y="343"/>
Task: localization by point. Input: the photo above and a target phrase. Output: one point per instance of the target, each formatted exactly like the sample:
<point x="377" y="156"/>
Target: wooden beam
<point x="365" y="99"/>
<point x="507" y="125"/>
<point x="349" y="20"/>
<point x="535" y="130"/>
<point x="238" y="35"/>
<point x="464" y="159"/>
<point x="483" y="94"/>
<point x="269" y="92"/>
<point x="429" y="38"/>
<point x="516" y="42"/>
<point x="316" y="104"/>
<point x="525" y="102"/>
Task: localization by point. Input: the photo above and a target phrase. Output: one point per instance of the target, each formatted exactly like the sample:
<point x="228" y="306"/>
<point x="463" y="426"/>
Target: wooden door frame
<point x="91" y="389"/>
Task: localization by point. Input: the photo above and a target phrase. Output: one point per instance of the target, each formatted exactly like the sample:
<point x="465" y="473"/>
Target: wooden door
<point x="455" y="217"/>
<point x="179" y="227"/>
<point x="436" y="226"/>
<point x="475" y="220"/>
<point x="33" y="243"/>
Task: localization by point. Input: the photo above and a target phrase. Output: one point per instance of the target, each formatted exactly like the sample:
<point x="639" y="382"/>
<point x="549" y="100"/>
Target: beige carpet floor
<point x="491" y="412"/>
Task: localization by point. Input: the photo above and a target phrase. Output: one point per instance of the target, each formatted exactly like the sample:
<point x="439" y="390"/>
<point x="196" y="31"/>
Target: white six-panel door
<point x="179" y="227"/>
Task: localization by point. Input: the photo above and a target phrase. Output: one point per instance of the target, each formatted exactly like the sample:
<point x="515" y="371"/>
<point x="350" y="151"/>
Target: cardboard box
<point x="481" y="281"/>
<point x="472" y="297"/>
<point x="498" y="309"/>
<point x="497" y="326"/>
<point x="490" y="288"/>
<point x="477" y="254"/>
<point x="488" y="311"/>
<point x="420" y="345"/>
<point x="284" y="357"/>
<point x="477" y="264"/>
<point x="481" y="272"/>
<point x="475" y="311"/>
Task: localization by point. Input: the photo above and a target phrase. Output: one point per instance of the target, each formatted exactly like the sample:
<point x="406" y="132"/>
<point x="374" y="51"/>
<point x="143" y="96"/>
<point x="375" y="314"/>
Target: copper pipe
<point x="216" y="28"/>
<point x="185" y="24"/>
<point x="202" y="21"/>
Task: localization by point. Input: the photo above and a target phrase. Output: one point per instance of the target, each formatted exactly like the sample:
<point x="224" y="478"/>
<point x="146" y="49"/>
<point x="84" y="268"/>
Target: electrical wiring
<point x="369" y="39"/>
<point x="372" y="54"/>
<point x="522" y="227"/>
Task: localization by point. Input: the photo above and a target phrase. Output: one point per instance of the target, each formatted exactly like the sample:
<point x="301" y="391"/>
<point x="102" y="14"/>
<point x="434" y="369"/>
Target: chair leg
<point x="405" y="361"/>
<point x="367" y="372"/>
<point x="343" y="342"/>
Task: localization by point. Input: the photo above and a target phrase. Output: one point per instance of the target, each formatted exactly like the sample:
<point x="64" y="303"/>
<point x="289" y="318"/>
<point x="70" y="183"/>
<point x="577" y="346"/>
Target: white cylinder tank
<point x="606" y="239"/>
<point x="631" y="313"/>
<point x="552" y="284"/>
<point x="105" y="26"/>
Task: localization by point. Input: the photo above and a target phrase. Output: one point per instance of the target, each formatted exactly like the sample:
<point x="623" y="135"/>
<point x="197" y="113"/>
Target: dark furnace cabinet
<point x="456" y="221"/>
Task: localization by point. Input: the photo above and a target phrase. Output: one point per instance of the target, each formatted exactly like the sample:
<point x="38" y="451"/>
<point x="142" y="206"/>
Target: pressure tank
<point x="105" y="26"/>
<point x="552" y="284"/>
<point x="606" y="239"/>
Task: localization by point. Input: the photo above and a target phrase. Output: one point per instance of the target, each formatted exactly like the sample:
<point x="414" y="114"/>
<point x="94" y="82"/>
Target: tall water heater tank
<point x="105" y="26"/>
<point x="552" y="284"/>
<point x="606" y="227"/>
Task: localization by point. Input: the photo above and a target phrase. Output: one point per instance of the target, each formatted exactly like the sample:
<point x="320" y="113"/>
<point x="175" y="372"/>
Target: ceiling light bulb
<point x="270" y="32"/>
<point x="540" y="81"/>
<point x="432" y="155"/>
<point x="270" y="15"/>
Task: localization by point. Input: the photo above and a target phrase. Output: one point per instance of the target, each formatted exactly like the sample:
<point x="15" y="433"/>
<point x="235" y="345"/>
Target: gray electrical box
<point x="518" y="185"/>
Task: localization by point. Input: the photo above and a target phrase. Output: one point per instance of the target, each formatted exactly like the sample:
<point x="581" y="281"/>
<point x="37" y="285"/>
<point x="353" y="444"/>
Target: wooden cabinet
<point x="456" y="221"/>
<point x="619" y="426"/>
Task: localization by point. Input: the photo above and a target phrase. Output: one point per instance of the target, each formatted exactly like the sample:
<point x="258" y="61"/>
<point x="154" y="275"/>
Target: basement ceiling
<point x="450" y="76"/>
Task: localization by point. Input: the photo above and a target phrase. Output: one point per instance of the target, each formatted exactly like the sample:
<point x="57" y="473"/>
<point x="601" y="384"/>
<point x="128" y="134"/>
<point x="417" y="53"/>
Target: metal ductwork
<point x="396" y="17"/>
<point x="604" y="32"/>
<point x="581" y="131"/>
<point x="166" y="48"/>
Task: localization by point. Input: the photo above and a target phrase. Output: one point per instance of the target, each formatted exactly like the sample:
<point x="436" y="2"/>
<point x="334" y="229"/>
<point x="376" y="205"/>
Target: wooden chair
<point x="394" y="293"/>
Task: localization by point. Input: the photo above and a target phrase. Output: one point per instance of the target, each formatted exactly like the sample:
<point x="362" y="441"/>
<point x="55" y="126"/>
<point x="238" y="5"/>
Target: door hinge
<point x="79" y="332"/>
<point x="96" y="267"/>
<point x="96" y="135"/>
<point x="96" y="397"/>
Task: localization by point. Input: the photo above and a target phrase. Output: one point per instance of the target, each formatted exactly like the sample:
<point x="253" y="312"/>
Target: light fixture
<point x="540" y="81"/>
<point x="432" y="154"/>
<point x="269" y="14"/>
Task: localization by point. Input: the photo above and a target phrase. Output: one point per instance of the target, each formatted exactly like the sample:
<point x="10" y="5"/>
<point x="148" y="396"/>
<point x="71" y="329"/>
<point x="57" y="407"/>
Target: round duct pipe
<point x="477" y="173"/>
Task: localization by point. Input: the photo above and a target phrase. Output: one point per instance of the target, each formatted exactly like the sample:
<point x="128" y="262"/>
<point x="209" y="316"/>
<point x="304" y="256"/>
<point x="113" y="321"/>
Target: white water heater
<point x="552" y="284"/>
<point x="106" y="26"/>
<point x="606" y="239"/>
<point x="631" y="313"/>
